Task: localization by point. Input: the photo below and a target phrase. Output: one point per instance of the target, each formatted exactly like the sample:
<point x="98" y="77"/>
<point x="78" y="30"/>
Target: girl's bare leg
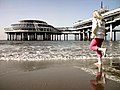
<point x="103" y="50"/>
<point x="99" y="61"/>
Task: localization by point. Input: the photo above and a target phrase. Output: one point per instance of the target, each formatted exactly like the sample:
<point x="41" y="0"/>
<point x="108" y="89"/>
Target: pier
<point x="112" y="19"/>
<point x="81" y="30"/>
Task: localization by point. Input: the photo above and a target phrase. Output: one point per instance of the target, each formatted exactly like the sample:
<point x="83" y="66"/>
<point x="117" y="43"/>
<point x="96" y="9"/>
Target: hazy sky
<point x="54" y="12"/>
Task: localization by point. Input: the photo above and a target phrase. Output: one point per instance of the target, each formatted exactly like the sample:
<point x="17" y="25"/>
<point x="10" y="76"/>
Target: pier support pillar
<point x="35" y="36"/>
<point x="49" y="36"/>
<point x="111" y="36"/>
<point x="81" y="36"/>
<point x="60" y="37"/>
<point x="13" y="36"/>
<point x="21" y="36"/>
<point x="64" y="37"/>
<point x="67" y="37"/>
<point x="7" y="36"/>
<point x="75" y="37"/>
<point x="114" y="35"/>
<point x="25" y="36"/>
<point x="52" y="37"/>
<point x="57" y="37"/>
<point x="10" y="37"/>
<point x="89" y="35"/>
<point x="44" y="36"/>
<point x="29" y="37"/>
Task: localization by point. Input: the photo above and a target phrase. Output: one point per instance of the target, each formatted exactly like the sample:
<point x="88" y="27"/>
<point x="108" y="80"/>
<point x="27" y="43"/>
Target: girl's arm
<point x="94" y="27"/>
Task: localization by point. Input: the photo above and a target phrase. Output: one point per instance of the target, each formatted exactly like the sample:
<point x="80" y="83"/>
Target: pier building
<point x="31" y="30"/>
<point x="69" y="31"/>
<point x="112" y="19"/>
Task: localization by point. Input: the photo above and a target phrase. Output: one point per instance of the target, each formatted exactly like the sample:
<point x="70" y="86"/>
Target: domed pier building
<point x="32" y="30"/>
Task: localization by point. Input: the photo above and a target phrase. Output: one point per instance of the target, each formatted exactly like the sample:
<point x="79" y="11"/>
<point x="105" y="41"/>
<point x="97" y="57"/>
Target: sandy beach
<point x="40" y="75"/>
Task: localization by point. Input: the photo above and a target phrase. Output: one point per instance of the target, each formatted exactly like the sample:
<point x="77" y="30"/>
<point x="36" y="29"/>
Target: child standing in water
<point x="98" y="34"/>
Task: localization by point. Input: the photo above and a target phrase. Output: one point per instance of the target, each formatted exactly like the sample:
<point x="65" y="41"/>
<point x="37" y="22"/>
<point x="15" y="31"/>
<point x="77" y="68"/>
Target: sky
<point x="55" y="12"/>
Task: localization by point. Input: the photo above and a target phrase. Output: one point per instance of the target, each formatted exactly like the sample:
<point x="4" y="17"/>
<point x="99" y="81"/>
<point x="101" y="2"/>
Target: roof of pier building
<point x="32" y="21"/>
<point x="110" y="16"/>
<point x="31" y="26"/>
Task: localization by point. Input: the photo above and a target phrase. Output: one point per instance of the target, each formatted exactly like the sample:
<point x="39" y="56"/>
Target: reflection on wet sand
<point x="38" y="75"/>
<point x="33" y="65"/>
<point x="100" y="80"/>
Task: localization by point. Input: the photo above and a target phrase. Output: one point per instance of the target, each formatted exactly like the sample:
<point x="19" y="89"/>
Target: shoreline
<point x="59" y="58"/>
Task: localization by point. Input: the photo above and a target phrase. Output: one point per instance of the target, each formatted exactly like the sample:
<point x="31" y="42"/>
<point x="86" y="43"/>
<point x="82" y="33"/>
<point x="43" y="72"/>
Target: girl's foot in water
<point x="98" y="63"/>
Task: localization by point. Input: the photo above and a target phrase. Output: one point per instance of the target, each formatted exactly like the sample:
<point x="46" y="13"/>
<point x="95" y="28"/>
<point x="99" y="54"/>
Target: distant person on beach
<point x="98" y="34"/>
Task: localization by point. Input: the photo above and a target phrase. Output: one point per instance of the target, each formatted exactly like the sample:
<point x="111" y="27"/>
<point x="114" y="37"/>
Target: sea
<point x="54" y="50"/>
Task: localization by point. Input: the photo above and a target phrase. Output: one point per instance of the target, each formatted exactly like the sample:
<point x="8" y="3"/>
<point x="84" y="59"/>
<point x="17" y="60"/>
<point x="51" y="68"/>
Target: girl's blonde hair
<point x="97" y="14"/>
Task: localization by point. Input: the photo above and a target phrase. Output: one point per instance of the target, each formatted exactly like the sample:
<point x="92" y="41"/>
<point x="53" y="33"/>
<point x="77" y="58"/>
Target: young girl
<point x="98" y="34"/>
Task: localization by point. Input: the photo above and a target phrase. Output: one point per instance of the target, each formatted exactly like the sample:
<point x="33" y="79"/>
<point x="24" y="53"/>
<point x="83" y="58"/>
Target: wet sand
<point x="47" y="76"/>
